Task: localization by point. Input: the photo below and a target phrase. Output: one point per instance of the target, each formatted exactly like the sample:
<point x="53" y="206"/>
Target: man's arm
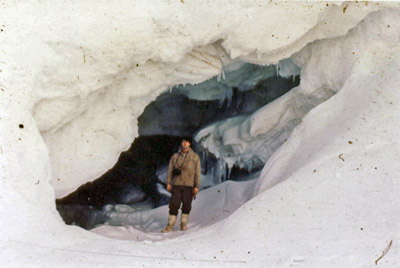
<point x="197" y="173"/>
<point x="169" y="174"/>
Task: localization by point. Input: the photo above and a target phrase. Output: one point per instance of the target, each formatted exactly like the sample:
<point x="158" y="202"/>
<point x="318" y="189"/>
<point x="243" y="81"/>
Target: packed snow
<point x="211" y="206"/>
<point x="76" y="76"/>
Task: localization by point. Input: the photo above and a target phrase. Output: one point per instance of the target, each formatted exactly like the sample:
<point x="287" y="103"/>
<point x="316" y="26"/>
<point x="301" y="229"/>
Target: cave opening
<point x="136" y="183"/>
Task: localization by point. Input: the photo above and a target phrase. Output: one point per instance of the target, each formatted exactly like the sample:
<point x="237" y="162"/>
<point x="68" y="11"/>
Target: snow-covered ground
<point x="75" y="76"/>
<point x="211" y="206"/>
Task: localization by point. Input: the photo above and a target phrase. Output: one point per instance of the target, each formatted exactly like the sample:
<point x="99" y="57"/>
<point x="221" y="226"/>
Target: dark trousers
<point x="180" y="194"/>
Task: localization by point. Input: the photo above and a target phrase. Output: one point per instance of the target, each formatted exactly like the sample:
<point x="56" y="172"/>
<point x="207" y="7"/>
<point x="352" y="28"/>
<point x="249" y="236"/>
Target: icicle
<point x="222" y="97"/>
<point x="228" y="96"/>
<point x="225" y="172"/>
<point x="223" y="167"/>
<point x="221" y="74"/>
<point x="225" y="95"/>
<point x="277" y="69"/>
<point x="220" y="175"/>
<point x="203" y="162"/>
<point x="229" y="170"/>
<point x="210" y="166"/>
<point x="250" y="166"/>
<point x="220" y="102"/>
<point x="221" y="170"/>
<point x="217" y="178"/>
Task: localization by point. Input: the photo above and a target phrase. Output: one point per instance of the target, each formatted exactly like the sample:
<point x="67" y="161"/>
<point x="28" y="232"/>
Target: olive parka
<point x="190" y="169"/>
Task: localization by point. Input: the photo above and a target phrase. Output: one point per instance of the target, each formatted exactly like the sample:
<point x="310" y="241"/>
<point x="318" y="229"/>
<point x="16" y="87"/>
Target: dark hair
<point x="187" y="138"/>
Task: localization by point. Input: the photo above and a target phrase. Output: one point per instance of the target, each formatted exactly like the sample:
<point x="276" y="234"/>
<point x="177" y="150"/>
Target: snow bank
<point x="211" y="206"/>
<point x="77" y="75"/>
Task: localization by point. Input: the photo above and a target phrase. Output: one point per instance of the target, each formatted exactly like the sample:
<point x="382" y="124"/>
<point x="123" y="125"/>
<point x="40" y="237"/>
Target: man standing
<point x="183" y="181"/>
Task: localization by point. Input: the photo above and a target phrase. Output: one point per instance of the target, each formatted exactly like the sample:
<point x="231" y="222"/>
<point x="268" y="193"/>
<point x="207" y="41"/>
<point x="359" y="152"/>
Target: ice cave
<point x="293" y="106"/>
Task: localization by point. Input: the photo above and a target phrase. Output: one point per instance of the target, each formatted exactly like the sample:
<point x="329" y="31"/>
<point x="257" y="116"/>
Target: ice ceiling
<point x="76" y="76"/>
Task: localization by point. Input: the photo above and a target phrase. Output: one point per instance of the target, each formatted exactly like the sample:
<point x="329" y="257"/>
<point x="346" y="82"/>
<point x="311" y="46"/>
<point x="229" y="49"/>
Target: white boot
<point x="184" y="220"/>
<point x="171" y="223"/>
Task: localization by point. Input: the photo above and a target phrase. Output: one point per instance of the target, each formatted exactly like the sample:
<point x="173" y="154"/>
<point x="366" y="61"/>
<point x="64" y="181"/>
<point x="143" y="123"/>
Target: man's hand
<point x="169" y="187"/>
<point x="195" y="191"/>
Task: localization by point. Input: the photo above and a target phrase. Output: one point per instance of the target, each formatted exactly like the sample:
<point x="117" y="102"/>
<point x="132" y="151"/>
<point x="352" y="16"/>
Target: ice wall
<point x="247" y="141"/>
<point x="76" y="76"/>
<point x="85" y="85"/>
<point x="244" y="87"/>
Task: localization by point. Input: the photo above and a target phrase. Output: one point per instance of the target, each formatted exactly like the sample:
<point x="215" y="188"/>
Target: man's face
<point x="185" y="144"/>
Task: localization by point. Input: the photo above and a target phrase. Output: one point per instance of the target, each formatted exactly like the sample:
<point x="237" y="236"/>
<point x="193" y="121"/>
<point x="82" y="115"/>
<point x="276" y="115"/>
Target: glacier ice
<point x="322" y="211"/>
<point x="241" y="75"/>
<point x="245" y="89"/>
<point x="249" y="141"/>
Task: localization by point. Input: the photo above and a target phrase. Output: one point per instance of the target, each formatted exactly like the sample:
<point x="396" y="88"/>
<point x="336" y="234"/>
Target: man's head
<point x="185" y="144"/>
